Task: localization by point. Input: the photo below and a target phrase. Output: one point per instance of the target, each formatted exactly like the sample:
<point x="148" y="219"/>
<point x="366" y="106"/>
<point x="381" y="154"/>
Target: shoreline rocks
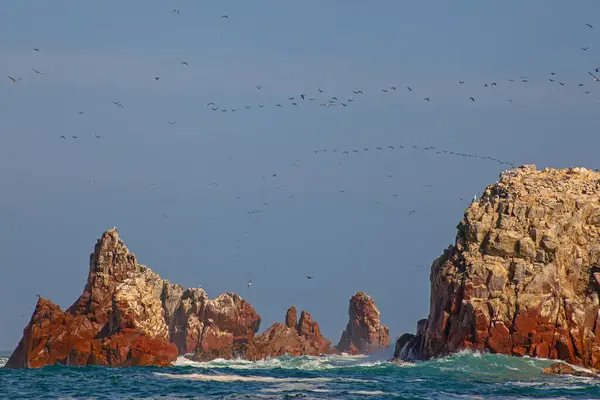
<point x="364" y="333"/>
<point x="523" y="277"/>
<point x="128" y="315"/>
<point x="294" y="338"/>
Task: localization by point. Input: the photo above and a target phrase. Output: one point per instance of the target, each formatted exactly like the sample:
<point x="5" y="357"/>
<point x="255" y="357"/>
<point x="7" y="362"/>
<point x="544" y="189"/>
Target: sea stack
<point x="364" y="333"/>
<point x="295" y="338"/>
<point x="523" y="277"/>
<point x="127" y="315"/>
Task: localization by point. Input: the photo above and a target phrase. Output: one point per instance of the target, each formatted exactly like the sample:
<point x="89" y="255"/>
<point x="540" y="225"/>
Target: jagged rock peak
<point x="364" y="333"/>
<point x="127" y="315"/>
<point x="291" y="318"/>
<point x="523" y="277"/>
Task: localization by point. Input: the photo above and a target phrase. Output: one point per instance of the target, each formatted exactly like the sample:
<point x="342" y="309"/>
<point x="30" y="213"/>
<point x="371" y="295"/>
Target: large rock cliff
<point x="364" y="333"/>
<point x="128" y="315"/>
<point x="523" y="277"/>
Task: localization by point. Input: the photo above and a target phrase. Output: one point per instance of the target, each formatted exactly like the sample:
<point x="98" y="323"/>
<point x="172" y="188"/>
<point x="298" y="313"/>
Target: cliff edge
<point x="523" y="277"/>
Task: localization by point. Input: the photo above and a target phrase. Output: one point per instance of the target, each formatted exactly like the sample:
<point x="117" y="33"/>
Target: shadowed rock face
<point x="364" y="333"/>
<point x="301" y="338"/>
<point x="127" y="315"/>
<point x="524" y="274"/>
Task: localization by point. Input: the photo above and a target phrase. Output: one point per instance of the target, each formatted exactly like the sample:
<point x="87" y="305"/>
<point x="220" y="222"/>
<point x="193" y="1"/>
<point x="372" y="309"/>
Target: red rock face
<point x="364" y="333"/>
<point x="303" y="338"/>
<point x="127" y="315"/>
<point x="521" y="278"/>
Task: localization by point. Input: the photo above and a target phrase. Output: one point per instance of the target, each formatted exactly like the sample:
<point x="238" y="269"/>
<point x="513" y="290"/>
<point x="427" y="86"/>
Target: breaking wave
<point x="465" y="375"/>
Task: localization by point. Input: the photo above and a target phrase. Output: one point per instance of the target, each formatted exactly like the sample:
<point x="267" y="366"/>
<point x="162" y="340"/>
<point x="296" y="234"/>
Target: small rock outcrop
<point x="364" y="333"/>
<point x="523" y="277"/>
<point x="294" y="338"/>
<point x="127" y="315"/>
<point x="566" y="369"/>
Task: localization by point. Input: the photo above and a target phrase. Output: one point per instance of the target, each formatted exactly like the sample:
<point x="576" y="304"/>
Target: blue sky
<point x="94" y="53"/>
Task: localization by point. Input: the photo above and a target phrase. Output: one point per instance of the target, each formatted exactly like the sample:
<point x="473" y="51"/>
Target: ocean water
<point x="461" y="376"/>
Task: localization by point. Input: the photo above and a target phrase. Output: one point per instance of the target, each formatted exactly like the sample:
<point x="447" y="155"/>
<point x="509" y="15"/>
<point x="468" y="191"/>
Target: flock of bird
<point x="320" y="97"/>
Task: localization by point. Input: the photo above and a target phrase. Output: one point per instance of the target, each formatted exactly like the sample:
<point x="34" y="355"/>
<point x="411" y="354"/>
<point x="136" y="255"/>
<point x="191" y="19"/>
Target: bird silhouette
<point x="258" y="87"/>
<point x="589" y="25"/>
<point x="63" y="137"/>
<point x="586" y="48"/>
<point x="157" y="78"/>
<point x="172" y="122"/>
<point x="37" y="72"/>
<point x="184" y="63"/>
<point x="309" y="277"/>
<point x="594" y="76"/>
<point x="320" y="91"/>
<point x="176" y="11"/>
<point x="14" y="80"/>
<point x="461" y="82"/>
<point x="472" y="99"/>
<point x="427" y="99"/>
<point x="38" y="50"/>
<point x="225" y="16"/>
<point x="409" y="88"/>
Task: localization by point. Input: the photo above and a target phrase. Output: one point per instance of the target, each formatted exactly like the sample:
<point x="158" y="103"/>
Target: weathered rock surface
<point x="560" y="368"/>
<point x="364" y="333"/>
<point x="523" y="277"/>
<point x="127" y="315"/>
<point x="294" y="338"/>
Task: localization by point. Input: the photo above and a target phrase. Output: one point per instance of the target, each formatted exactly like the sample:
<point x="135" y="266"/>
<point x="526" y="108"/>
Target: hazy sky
<point x="59" y="195"/>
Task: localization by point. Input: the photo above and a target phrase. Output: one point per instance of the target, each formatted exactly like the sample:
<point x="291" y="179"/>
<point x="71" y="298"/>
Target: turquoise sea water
<point x="462" y="376"/>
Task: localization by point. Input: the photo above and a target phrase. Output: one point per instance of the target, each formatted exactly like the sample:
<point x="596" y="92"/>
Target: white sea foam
<point x="3" y="361"/>
<point x="369" y="392"/>
<point x="264" y="379"/>
<point x="312" y="363"/>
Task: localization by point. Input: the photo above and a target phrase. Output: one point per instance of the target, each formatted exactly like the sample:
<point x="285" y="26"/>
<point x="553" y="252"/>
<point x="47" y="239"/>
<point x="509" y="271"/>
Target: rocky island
<point x="523" y="277"/>
<point x="128" y="315"/>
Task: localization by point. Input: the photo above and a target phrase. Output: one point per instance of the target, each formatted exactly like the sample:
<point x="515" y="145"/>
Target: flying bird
<point x="461" y="82"/>
<point x="409" y="88"/>
<point x="63" y="137"/>
<point x="594" y="76"/>
<point x="37" y="72"/>
<point x="176" y="11"/>
<point x="319" y="89"/>
<point x="302" y="96"/>
<point x="157" y="78"/>
<point x="38" y="50"/>
<point x="210" y="104"/>
<point x="14" y="80"/>
<point x="184" y="63"/>
<point x="589" y="25"/>
<point x="309" y="277"/>
<point x="472" y="99"/>
<point x="258" y="87"/>
<point x="97" y="137"/>
<point x="384" y="90"/>
<point x="393" y="87"/>
<point x="80" y="113"/>
<point x="427" y="99"/>
<point x="172" y="122"/>
<point x="586" y="48"/>
<point x="224" y="16"/>
<point x="250" y="283"/>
